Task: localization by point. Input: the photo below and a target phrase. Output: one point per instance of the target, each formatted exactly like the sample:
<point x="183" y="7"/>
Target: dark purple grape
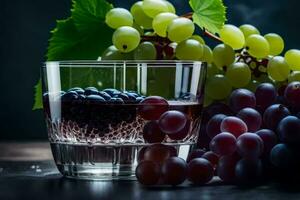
<point x="152" y="133"/>
<point x="289" y="130"/>
<point x="274" y="114"/>
<point x="248" y="171"/>
<point x="266" y="94"/>
<point x="214" y="124"/>
<point x="292" y="95"/>
<point x="78" y="90"/>
<point x="226" y="167"/>
<point x="251" y="117"/>
<point x="223" y="144"/>
<point x="148" y="173"/>
<point x="234" y="125"/>
<point x="250" y="145"/>
<point x="172" y="121"/>
<point x="242" y="98"/>
<point x="198" y="153"/>
<point x="203" y="139"/>
<point x="158" y="153"/>
<point x="122" y="96"/>
<point x="112" y="92"/>
<point x="217" y="108"/>
<point x="200" y="171"/>
<point x="174" y="171"/>
<point x="282" y="156"/>
<point x="95" y="99"/>
<point x="151" y="108"/>
<point x="212" y="158"/>
<point x="116" y="101"/>
<point x="105" y="95"/>
<point x="91" y="91"/>
<point x="69" y="96"/>
<point x="269" y="138"/>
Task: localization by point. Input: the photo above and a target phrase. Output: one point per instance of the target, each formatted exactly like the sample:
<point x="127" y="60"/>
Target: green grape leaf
<point x="89" y="14"/>
<point x="209" y="14"/>
<point x="38" y="103"/>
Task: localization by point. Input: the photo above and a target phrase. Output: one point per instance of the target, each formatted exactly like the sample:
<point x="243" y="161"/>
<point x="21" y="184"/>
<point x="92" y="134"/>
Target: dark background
<point x="24" y="31"/>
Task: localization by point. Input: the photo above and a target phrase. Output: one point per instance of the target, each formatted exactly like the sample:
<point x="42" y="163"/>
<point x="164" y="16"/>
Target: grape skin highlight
<point x="118" y="17"/>
<point x="180" y="29"/>
<point x="232" y="36"/>
<point x="126" y="38"/>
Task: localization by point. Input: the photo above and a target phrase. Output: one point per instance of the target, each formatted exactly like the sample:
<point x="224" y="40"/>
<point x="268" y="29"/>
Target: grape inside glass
<point x="100" y="114"/>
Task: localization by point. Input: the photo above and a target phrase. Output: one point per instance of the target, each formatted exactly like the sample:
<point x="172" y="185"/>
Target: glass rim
<point x="82" y="63"/>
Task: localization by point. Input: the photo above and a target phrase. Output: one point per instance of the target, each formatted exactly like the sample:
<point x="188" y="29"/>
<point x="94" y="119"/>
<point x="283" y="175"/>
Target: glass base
<point x="102" y="162"/>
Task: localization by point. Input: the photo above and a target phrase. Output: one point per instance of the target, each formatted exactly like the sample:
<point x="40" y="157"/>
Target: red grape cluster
<point x="162" y="121"/>
<point x="159" y="165"/>
<point x="256" y="134"/>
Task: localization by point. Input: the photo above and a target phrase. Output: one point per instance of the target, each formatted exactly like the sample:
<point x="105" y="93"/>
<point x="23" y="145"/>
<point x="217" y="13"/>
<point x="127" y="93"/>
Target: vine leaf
<point x="209" y="14"/>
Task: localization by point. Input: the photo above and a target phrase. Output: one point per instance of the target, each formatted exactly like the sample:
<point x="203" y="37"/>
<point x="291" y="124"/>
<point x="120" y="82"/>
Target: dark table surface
<point x="27" y="171"/>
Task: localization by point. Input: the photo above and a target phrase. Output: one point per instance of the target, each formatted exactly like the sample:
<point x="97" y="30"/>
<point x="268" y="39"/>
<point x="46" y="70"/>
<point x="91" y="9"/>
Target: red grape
<point x="250" y="145"/>
<point x="158" y="153"/>
<point x="223" y="144"/>
<point x="269" y="138"/>
<point x="147" y="173"/>
<point x="152" y="133"/>
<point x="211" y="157"/>
<point x="274" y="114"/>
<point x="248" y="171"/>
<point x="242" y="98"/>
<point x="292" y="94"/>
<point x="151" y="108"/>
<point x="251" y="117"/>
<point x="174" y="171"/>
<point x="198" y="153"/>
<point x="213" y="125"/>
<point x="266" y="95"/>
<point x="217" y="108"/>
<point x="200" y="171"/>
<point x="141" y="153"/>
<point x="289" y="130"/>
<point x="226" y="167"/>
<point x="172" y="121"/>
<point x="234" y="126"/>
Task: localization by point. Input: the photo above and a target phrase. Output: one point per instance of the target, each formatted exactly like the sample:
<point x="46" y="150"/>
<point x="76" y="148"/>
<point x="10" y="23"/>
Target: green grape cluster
<point x="152" y="30"/>
<point x="244" y="57"/>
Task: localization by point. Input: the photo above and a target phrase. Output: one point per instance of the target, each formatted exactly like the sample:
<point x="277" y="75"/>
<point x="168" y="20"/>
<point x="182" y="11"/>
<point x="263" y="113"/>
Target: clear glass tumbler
<point x="100" y="114"/>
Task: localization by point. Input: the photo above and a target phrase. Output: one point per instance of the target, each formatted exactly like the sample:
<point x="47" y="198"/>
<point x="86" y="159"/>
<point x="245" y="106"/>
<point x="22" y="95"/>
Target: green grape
<point x="154" y="7"/>
<point x="189" y="50"/>
<point x="292" y="57"/>
<point x="257" y="46"/>
<point x="198" y="38"/>
<point x="112" y="53"/>
<point x="161" y="22"/>
<point x="278" y="68"/>
<point x="248" y="30"/>
<point x="171" y="8"/>
<point x="238" y="74"/>
<point x="180" y="29"/>
<point x="145" y="51"/>
<point x="218" y="87"/>
<point x="276" y="43"/>
<point x="212" y="70"/>
<point x="140" y="16"/>
<point x="232" y="36"/>
<point x="126" y="39"/>
<point x="207" y="54"/>
<point x="223" y="55"/>
<point x="294" y="76"/>
<point x="118" y="17"/>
